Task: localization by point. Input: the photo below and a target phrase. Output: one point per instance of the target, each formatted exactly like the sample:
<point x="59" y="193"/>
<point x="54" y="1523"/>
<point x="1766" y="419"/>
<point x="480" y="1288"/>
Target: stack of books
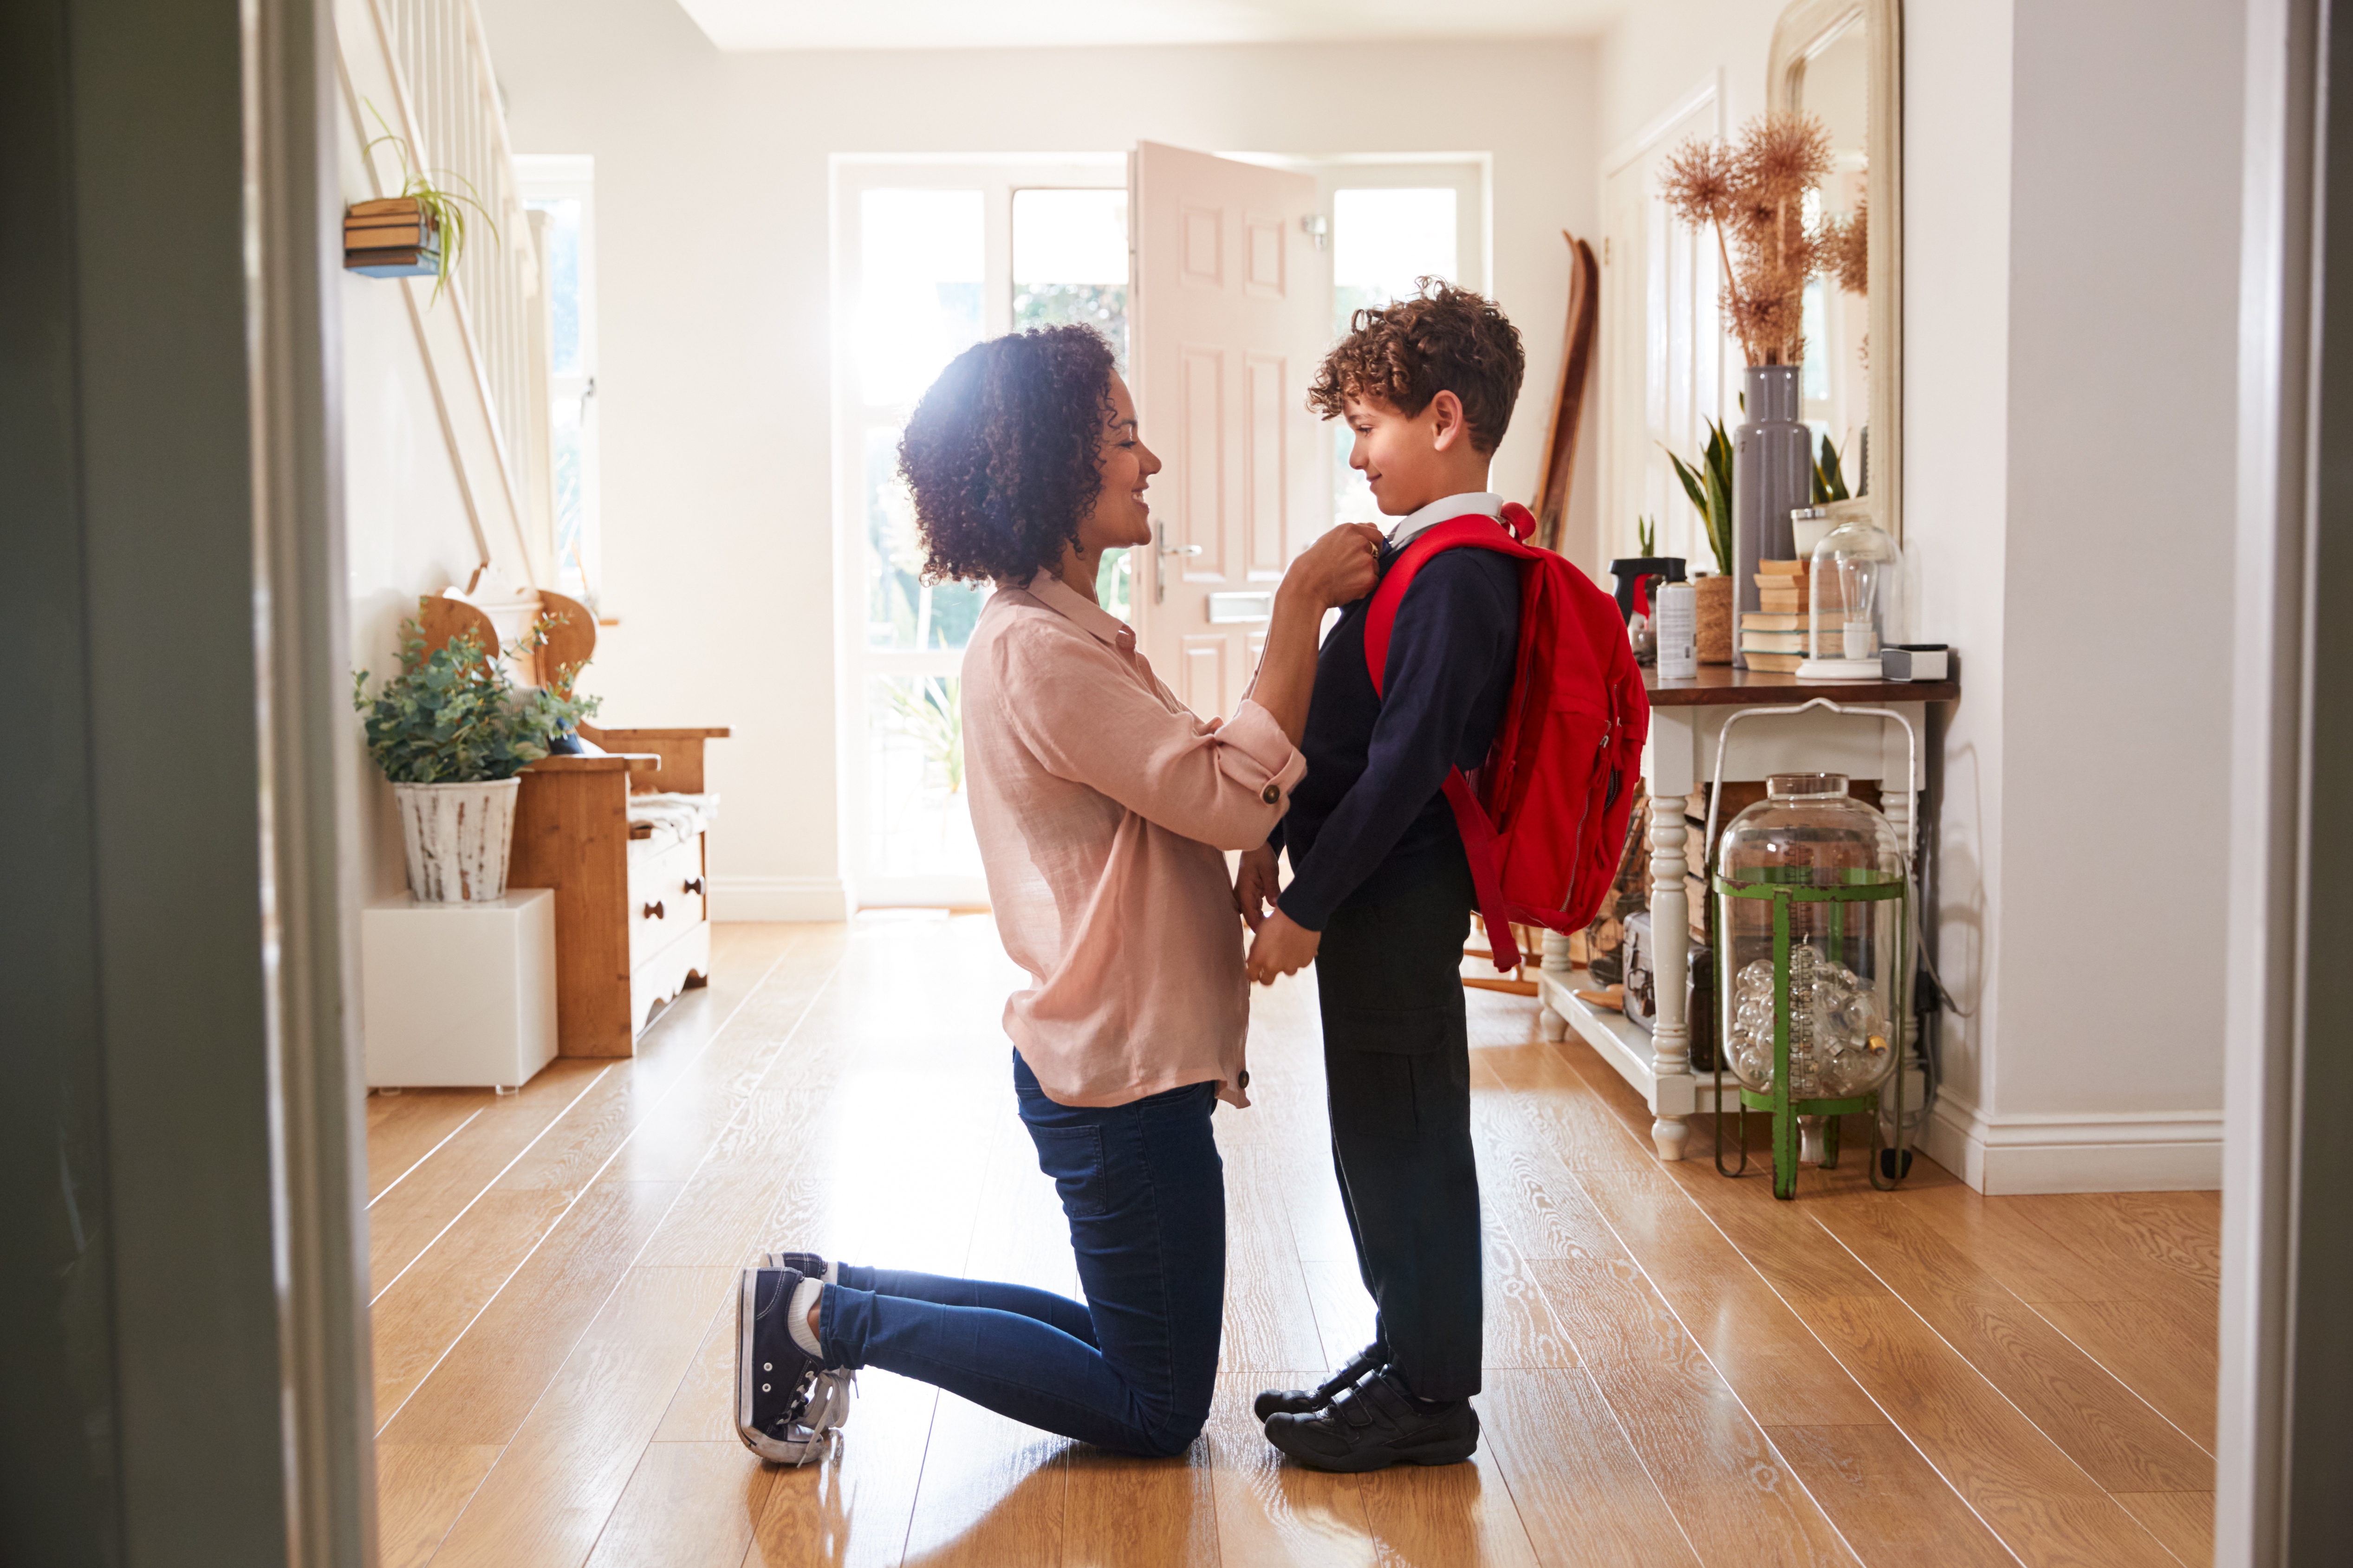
<point x="1775" y="634"/>
<point x="391" y="236"/>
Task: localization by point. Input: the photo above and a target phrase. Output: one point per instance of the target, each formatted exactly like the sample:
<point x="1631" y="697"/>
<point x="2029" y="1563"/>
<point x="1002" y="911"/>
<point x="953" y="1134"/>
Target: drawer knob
<point x="693" y="885"/>
<point x="654" y="911"/>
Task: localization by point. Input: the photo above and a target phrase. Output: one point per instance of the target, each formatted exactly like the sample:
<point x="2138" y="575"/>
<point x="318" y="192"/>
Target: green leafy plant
<point x="1830" y="477"/>
<point x="453" y="717"/>
<point x="444" y="207"/>
<point x="1708" y="483"/>
<point x="1646" y="536"/>
<point x="928" y="710"/>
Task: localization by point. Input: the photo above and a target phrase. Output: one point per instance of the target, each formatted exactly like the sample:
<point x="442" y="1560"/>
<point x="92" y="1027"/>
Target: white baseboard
<point x="778" y="899"/>
<point x="2111" y="1152"/>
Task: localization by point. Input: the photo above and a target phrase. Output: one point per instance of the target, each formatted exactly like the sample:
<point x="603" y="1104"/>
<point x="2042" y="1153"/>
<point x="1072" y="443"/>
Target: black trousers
<point x="1397" y="1070"/>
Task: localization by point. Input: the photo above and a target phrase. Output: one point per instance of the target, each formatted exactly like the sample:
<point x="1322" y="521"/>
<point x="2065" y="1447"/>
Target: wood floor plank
<point x="1345" y="1315"/>
<point x="2118" y="1439"/>
<point x="993" y="1491"/>
<point x="2170" y="1363"/>
<point x="1271" y="1513"/>
<point x="1559" y="1102"/>
<point x="721" y="1219"/>
<point x="1520" y="1329"/>
<point x="1269" y="1323"/>
<point x="492" y="1376"/>
<point x="418" y="1491"/>
<point x="1736" y="1499"/>
<point x="1996" y="1236"/>
<point x="2183" y="1521"/>
<point x="1759" y="1344"/>
<point x="851" y="1508"/>
<point x="1888" y="1502"/>
<point x="417" y="1320"/>
<point x="411" y="1125"/>
<point x="2121" y="1253"/>
<point x="1447" y="1514"/>
<point x="2039" y="1501"/>
<point x="553" y="1490"/>
<point x="1581" y="1491"/>
<point x="688" y="1505"/>
<point x="1122" y="1513"/>
<point x="411" y="1215"/>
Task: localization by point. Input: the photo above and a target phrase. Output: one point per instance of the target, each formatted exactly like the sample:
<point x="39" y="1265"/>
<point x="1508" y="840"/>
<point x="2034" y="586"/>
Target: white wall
<point x="404" y="518"/>
<point x="714" y="315"/>
<point x="2071" y="196"/>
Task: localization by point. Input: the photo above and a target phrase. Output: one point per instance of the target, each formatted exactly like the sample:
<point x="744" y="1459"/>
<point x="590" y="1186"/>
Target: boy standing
<point x="1381" y="894"/>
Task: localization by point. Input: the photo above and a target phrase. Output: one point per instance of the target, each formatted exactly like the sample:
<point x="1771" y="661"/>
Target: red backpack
<point x="1544" y="823"/>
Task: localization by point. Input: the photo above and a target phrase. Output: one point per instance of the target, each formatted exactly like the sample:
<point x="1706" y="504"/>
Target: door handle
<point x="693" y="885"/>
<point x="1162" y="550"/>
<point x="654" y="911"/>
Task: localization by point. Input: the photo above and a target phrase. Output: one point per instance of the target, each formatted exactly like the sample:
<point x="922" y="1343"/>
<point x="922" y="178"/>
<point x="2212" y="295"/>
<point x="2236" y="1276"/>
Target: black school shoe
<point x="1376" y="1425"/>
<point x="787" y="1404"/>
<point x="1307" y="1401"/>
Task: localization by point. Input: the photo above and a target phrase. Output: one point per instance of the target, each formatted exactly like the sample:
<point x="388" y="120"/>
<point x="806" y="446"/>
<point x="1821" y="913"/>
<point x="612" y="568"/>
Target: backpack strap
<point x="1475" y="530"/>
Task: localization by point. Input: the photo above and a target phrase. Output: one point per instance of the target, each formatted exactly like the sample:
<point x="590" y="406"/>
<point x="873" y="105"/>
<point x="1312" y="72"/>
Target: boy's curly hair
<point x="1444" y="339"/>
<point x="1004" y="453"/>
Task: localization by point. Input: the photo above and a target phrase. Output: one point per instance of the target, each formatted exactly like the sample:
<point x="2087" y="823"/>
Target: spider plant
<point x="432" y="190"/>
<point x="1646" y="536"/>
<point x="1709" y="485"/>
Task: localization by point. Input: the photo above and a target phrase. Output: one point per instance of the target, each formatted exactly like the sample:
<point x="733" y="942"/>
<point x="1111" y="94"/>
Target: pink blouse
<point x="1101" y="805"/>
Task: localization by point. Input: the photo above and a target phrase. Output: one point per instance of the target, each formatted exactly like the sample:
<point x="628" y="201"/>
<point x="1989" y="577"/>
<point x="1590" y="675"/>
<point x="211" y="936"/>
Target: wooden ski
<point x="1560" y="469"/>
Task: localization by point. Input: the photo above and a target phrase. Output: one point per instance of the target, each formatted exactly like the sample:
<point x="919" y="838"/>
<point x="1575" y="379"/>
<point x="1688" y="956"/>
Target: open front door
<point x="1231" y="311"/>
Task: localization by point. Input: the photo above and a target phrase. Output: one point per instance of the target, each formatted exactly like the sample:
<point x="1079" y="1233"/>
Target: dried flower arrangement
<point x="1753" y="193"/>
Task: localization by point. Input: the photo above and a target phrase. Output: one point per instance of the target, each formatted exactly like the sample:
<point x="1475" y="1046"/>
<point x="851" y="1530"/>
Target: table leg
<point x="1671" y="935"/>
<point x="1555" y="962"/>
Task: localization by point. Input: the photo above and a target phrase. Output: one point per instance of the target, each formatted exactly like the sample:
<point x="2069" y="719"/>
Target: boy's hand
<point x="1341" y="567"/>
<point x="1256" y="882"/>
<point x="1281" y="947"/>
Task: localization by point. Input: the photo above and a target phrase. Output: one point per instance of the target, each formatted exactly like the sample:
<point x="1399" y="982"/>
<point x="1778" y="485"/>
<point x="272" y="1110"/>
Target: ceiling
<point x="969" y="23"/>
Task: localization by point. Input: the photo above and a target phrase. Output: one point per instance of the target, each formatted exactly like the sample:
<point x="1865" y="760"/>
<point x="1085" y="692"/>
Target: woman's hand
<point x="1281" y="947"/>
<point x="1339" y="568"/>
<point x="1256" y="882"/>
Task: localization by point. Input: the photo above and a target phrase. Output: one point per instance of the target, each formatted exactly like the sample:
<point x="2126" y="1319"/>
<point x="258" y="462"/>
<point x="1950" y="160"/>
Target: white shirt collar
<point x="1443" y="510"/>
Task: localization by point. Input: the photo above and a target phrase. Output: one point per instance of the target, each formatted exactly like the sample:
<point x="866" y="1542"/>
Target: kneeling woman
<point x="1101" y="805"/>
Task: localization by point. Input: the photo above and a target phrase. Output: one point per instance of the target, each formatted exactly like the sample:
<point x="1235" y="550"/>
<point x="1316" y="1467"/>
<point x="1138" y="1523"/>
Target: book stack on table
<point x="1775" y="635"/>
<point x="391" y="236"/>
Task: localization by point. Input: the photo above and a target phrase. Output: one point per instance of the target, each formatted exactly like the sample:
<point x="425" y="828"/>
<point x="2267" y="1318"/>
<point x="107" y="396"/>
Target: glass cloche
<point x="1828" y="872"/>
<point x="1856" y="582"/>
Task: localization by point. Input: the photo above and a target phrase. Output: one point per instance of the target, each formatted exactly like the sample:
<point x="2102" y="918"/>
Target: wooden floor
<point x="1682" y="1369"/>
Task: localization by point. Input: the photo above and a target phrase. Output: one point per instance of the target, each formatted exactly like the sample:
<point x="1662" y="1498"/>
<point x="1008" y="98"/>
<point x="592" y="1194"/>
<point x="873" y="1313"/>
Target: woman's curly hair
<point x="1443" y="340"/>
<point x="1004" y="453"/>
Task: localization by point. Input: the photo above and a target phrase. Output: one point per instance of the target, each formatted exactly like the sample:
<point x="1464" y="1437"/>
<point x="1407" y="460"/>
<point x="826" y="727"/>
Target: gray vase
<point x="1772" y="473"/>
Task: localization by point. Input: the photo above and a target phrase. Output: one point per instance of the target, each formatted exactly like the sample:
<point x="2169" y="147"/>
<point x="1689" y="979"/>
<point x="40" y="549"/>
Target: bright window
<point x="1393" y="225"/>
<point x="934" y="259"/>
<point x="562" y="188"/>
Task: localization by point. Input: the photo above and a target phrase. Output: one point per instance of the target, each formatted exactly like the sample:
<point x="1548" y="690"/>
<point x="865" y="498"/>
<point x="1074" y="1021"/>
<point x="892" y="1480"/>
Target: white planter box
<point x="459" y="995"/>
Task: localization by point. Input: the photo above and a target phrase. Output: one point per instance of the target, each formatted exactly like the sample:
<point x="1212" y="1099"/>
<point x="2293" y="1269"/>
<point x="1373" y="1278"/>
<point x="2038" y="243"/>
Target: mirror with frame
<point x="1841" y="61"/>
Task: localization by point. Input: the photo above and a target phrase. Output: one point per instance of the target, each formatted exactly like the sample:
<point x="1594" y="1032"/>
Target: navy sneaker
<point x="807" y="1264"/>
<point x="788" y="1405"/>
<point x="1376" y="1425"/>
<point x="1307" y="1401"/>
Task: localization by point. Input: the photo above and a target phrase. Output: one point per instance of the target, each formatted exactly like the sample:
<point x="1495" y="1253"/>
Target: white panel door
<point x="1230" y="312"/>
<point x="1662" y="349"/>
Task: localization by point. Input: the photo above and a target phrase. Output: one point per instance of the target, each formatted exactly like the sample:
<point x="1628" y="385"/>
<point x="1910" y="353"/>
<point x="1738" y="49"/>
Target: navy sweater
<point x="1373" y="800"/>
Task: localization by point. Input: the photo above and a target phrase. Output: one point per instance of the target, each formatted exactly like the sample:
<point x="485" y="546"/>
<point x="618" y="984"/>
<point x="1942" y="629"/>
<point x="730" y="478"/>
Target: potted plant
<point x="1753" y="193"/>
<point x="1708" y="483"/>
<point x="451" y="732"/>
<point x="418" y="233"/>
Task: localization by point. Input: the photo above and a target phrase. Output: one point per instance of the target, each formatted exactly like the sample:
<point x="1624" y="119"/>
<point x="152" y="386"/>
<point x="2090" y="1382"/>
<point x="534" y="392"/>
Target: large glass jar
<point x="1811" y="915"/>
<point x="1855" y="586"/>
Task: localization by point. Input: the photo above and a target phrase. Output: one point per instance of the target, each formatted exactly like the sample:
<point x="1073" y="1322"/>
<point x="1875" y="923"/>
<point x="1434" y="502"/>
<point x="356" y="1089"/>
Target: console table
<point x="1687" y="719"/>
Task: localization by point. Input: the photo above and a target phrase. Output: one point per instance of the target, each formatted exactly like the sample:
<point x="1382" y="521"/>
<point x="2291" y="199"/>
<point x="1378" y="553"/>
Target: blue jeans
<point x="1133" y="1368"/>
